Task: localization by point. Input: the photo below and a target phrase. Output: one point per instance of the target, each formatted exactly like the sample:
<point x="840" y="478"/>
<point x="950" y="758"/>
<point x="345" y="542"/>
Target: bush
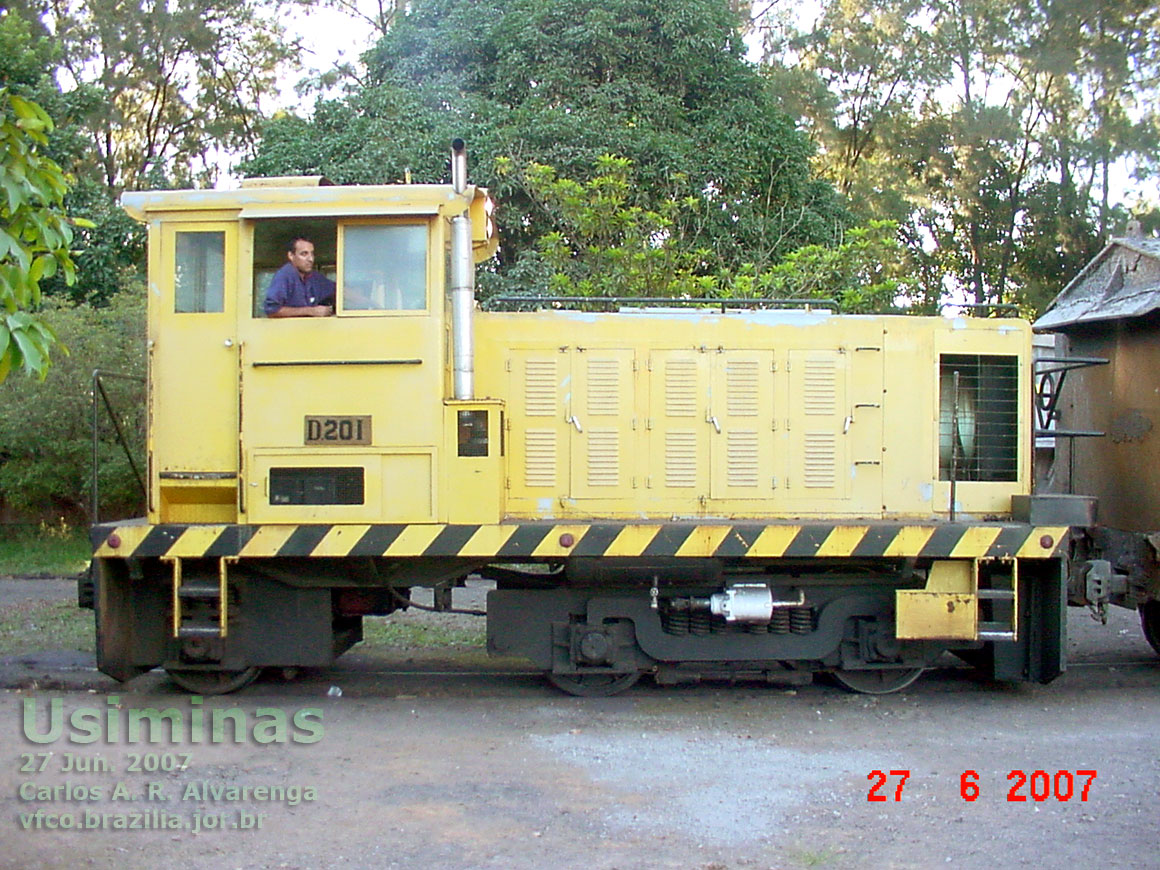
<point x="45" y="430"/>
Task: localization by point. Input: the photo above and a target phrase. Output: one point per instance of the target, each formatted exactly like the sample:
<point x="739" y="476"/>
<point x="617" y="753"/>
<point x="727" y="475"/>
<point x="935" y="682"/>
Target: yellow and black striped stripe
<point x="597" y="540"/>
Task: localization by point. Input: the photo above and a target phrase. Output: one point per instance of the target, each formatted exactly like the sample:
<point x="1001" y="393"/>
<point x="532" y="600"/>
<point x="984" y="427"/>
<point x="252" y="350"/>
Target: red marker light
<point x="566" y="540"/>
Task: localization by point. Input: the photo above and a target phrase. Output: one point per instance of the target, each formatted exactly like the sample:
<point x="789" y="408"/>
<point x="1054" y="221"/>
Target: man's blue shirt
<point x="289" y="288"/>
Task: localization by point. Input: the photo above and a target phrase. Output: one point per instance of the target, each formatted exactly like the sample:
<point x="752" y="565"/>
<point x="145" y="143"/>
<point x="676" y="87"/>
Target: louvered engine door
<point x="741" y="416"/>
<point x="815" y="458"/>
<point x="600" y="414"/>
<point x="679" y="426"/>
<point x="539" y="426"/>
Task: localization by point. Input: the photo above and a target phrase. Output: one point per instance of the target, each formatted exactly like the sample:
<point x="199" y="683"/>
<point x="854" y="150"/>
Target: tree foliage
<point x="180" y="85"/>
<point x="602" y="244"/>
<point x="989" y="129"/>
<point x="35" y="234"/>
<point x="559" y="83"/>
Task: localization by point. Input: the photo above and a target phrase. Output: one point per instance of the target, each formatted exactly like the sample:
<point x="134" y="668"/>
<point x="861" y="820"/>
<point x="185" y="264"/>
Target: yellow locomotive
<point x="689" y="492"/>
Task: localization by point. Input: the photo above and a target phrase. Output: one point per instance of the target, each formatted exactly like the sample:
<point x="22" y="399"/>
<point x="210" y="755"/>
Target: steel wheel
<point x="878" y="681"/>
<point x="213" y="682"/>
<point x="593" y="685"/>
<point x="1150" y="622"/>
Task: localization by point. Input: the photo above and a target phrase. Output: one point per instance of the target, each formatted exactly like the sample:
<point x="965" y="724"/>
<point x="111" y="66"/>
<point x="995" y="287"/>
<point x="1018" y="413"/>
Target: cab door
<point x="193" y="397"/>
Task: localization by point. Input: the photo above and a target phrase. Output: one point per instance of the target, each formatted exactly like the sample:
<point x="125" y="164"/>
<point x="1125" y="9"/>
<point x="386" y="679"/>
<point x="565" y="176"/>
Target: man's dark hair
<point x="294" y="242"/>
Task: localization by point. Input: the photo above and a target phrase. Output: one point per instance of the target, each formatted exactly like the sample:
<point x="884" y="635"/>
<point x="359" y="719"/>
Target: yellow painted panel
<point x="414" y="540"/>
<point x="909" y="541"/>
<point x="550" y="546"/>
<point x="952" y="576"/>
<point x="632" y="540"/>
<point x="935" y="615"/>
<point x="1032" y="548"/>
<point x="131" y="538"/>
<point x="774" y="540"/>
<point x="704" y="541"/>
<point x="487" y="540"/>
<point x="194" y="541"/>
<point x="842" y="541"/>
<point x="339" y="540"/>
<point x="267" y="541"/>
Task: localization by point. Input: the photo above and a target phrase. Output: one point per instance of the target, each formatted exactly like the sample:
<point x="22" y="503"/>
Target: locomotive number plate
<point x="338" y="431"/>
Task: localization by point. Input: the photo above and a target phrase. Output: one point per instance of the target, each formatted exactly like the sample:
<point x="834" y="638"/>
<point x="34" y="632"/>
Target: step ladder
<point x="1005" y="593"/>
<point x="213" y="622"/>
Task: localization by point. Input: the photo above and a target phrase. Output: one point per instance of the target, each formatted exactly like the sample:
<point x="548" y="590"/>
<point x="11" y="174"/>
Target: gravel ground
<point x="437" y="759"/>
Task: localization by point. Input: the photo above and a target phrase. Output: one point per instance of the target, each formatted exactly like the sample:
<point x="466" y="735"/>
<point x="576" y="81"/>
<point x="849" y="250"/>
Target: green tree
<point x="987" y="128"/>
<point x="35" y="234"/>
<point x="181" y="85"/>
<point x="601" y="244"/>
<point x="560" y="83"/>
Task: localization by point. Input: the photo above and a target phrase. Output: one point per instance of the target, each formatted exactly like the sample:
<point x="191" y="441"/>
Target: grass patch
<point x="395" y="633"/>
<point x="41" y="625"/>
<point x="44" y="551"/>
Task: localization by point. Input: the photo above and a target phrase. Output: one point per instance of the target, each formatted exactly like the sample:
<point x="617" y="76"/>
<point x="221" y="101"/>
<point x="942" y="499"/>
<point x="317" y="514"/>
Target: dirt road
<point x="434" y="761"/>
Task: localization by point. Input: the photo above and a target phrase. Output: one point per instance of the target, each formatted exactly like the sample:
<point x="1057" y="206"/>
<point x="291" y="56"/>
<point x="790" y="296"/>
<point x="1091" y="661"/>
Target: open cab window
<point x="379" y="267"/>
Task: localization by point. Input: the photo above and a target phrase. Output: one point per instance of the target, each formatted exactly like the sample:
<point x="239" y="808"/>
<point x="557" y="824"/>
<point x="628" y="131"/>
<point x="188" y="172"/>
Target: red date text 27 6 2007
<point x="1037" y="786"/>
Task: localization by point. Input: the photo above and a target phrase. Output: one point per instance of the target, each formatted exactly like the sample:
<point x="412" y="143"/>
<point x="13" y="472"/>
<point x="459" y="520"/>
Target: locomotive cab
<point x="291" y="420"/>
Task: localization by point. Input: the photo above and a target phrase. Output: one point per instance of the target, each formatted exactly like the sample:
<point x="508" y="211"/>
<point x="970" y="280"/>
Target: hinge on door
<point x="773" y="482"/>
<point x="634" y="481"/>
<point x="507" y="423"/>
<point x="648" y="482"/>
<point x="635" y="367"/>
<point x="634" y="424"/>
<point x="648" y="364"/>
<point x="507" y="365"/>
<point x="648" y="424"/>
<point x="507" y="483"/>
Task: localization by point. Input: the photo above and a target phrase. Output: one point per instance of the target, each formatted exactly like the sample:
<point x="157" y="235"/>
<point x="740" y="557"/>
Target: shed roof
<point x="1099" y="293"/>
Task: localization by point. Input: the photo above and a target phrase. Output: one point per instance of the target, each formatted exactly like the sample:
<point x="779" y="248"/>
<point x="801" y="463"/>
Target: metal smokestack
<point x="462" y="284"/>
<point x="458" y="165"/>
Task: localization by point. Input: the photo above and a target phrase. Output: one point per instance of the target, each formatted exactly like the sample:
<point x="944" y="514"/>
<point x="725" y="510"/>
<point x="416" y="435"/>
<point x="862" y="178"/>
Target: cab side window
<point x="384" y="267"/>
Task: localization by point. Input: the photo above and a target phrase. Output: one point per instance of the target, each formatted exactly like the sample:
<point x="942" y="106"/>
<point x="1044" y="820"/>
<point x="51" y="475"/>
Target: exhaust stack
<point x="462" y="284"/>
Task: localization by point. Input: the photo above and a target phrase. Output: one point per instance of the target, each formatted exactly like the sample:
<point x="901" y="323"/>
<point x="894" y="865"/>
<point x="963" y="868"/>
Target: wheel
<point x="593" y="685"/>
<point x="213" y="682"/>
<point x="1150" y="622"/>
<point x="878" y="681"/>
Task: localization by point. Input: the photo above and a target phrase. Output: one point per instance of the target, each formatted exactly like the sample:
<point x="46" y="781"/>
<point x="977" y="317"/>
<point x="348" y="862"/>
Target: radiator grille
<point x="979" y="426"/>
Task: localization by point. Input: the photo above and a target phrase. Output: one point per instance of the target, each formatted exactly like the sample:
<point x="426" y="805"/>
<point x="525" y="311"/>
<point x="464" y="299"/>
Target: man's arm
<point x="305" y="311"/>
